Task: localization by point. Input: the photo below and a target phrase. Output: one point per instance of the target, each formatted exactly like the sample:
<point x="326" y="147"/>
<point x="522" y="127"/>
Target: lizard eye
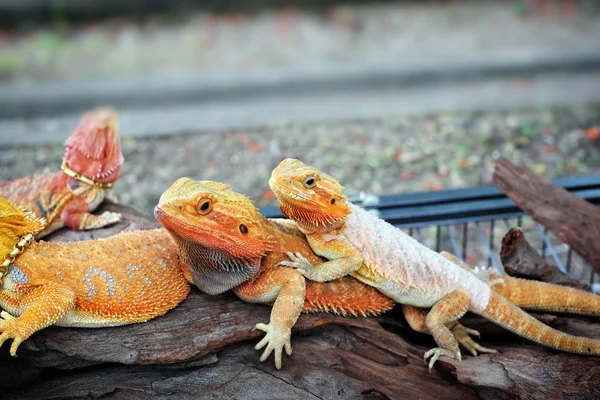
<point x="243" y="229"/>
<point x="204" y="206"/>
<point x="309" y="182"/>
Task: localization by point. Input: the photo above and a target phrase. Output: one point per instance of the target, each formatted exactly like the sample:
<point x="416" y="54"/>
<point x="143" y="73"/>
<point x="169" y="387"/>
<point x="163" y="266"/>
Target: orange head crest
<point x="221" y="237"/>
<point x="308" y="196"/>
<point x="16" y="222"/>
<point x="211" y="213"/>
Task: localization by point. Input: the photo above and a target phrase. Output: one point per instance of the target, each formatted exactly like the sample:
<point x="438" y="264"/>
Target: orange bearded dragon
<point x="212" y="238"/>
<point x="131" y="277"/>
<point x="359" y="244"/>
<point x="92" y="163"/>
<point x="227" y="244"/>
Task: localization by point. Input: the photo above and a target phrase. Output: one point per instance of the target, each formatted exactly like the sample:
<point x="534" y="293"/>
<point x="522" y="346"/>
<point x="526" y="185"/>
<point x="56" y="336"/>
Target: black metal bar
<point x="491" y="256"/>
<point x="453" y="243"/>
<point x="492" y="222"/>
<point x="438" y="237"/>
<point x="569" y="259"/>
<point x="464" y="242"/>
<point x="547" y="244"/>
<point x="420" y="237"/>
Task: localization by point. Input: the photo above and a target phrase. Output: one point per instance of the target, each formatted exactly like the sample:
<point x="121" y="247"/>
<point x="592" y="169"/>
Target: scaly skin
<point x="131" y="277"/>
<point x="94" y="151"/>
<point x="227" y="244"/>
<point x="358" y="243"/>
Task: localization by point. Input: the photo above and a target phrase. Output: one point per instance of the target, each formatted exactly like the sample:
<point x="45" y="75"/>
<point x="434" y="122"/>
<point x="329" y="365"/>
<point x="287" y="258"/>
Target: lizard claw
<point x="275" y="340"/>
<point x="298" y="261"/>
<point x="436" y="352"/>
<point x="462" y="336"/>
<point x="9" y="329"/>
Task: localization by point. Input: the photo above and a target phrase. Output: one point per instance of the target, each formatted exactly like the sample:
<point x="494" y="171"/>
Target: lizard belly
<point x="404" y="269"/>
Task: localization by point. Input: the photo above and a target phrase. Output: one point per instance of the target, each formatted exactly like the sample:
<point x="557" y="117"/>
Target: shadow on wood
<point x="204" y="349"/>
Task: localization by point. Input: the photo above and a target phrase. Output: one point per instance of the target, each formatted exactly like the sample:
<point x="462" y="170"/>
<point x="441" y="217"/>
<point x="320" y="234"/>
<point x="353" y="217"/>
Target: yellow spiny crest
<point x="16" y="222"/>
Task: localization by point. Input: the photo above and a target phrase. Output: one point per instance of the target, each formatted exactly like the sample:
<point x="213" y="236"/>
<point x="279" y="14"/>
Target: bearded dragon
<point x="92" y="163"/>
<point x="131" y="277"/>
<point x="227" y="244"/>
<point x="358" y="243"/>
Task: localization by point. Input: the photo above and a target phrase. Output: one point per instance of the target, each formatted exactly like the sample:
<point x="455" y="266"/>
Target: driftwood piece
<point x="205" y="349"/>
<point x="574" y="220"/>
<point x="521" y="260"/>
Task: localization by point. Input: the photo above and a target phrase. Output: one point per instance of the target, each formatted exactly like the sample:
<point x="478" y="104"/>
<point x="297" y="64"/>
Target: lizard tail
<point x="542" y="296"/>
<point x="512" y="318"/>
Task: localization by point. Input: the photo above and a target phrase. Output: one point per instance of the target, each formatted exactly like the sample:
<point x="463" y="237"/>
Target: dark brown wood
<point x="205" y="349"/>
<point x="521" y="260"/>
<point x="574" y="220"/>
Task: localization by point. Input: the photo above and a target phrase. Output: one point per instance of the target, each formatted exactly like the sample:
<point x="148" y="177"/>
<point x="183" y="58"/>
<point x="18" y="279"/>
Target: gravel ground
<point x="394" y="155"/>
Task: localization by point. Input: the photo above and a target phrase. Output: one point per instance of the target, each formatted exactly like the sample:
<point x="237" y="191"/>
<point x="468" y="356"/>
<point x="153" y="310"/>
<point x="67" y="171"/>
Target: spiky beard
<point x="312" y="218"/>
<point x="214" y="271"/>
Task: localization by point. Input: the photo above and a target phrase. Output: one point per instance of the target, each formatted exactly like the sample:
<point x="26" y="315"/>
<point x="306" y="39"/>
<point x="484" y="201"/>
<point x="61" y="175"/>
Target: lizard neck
<point x="214" y="271"/>
<point x="309" y="228"/>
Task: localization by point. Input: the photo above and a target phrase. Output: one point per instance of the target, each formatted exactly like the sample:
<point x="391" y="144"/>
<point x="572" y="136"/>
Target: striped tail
<point x="542" y="296"/>
<point x="512" y="318"/>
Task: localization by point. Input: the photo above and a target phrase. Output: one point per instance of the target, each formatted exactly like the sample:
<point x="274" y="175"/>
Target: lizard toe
<point x="275" y="340"/>
<point x="436" y="353"/>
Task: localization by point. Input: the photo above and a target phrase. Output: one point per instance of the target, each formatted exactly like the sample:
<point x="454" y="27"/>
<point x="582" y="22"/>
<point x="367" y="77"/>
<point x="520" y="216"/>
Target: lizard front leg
<point x="416" y="318"/>
<point x="76" y="215"/>
<point x="343" y="258"/>
<point x="45" y="305"/>
<point x="286" y="288"/>
<point x="449" y="309"/>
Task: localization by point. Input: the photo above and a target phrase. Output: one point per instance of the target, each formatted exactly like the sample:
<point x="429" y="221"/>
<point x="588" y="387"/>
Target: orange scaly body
<point x="130" y="277"/>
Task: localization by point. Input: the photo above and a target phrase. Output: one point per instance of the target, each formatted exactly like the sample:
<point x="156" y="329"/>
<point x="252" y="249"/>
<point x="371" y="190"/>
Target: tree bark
<point x="521" y="260"/>
<point x="205" y="349"/>
<point x="575" y="221"/>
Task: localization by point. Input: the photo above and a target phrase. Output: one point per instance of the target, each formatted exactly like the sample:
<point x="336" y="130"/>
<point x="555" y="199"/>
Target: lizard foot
<point x="462" y="335"/>
<point x="108" y="218"/>
<point x="484" y="274"/>
<point x="9" y="328"/>
<point x="298" y="261"/>
<point x="92" y="221"/>
<point x="275" y="339"/>
<point x="436" y="352"/>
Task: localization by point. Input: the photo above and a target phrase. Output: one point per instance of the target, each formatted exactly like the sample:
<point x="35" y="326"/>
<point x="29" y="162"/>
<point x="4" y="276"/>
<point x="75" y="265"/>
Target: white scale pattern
<point x="415" y="274"/>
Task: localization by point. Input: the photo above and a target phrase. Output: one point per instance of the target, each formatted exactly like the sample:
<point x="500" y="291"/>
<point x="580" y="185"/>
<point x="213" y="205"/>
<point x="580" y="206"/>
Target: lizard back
<point x="130" y="277"/>
<point x="414" y="274"/>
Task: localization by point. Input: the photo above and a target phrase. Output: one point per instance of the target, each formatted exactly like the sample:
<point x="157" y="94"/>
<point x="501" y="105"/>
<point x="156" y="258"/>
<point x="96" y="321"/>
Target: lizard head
<point x="94" y="148"/>
<point x="220" y="234"/>
<point x="16" y="222"/>
<point x="308" y="196"/>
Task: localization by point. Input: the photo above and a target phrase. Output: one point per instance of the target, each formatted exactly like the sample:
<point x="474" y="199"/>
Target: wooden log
<point x="575" y="221"/>
<point x="205" y="349"/>
<point x="521" y="260"/>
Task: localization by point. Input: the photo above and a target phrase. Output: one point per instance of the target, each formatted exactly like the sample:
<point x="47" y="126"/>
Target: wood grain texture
<point x="204" y="349"/>
<point x="572" y="219"/>
<point x="521" y="260"/>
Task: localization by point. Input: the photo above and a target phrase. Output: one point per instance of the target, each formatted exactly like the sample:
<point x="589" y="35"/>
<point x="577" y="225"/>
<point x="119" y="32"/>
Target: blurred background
<point x="387" y="96"/>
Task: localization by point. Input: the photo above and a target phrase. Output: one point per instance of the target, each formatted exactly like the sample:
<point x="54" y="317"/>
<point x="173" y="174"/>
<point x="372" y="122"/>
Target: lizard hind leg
<point x="449" y="309"/>
<point x="416" y="318"/>
<point x="45" y="305"/>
